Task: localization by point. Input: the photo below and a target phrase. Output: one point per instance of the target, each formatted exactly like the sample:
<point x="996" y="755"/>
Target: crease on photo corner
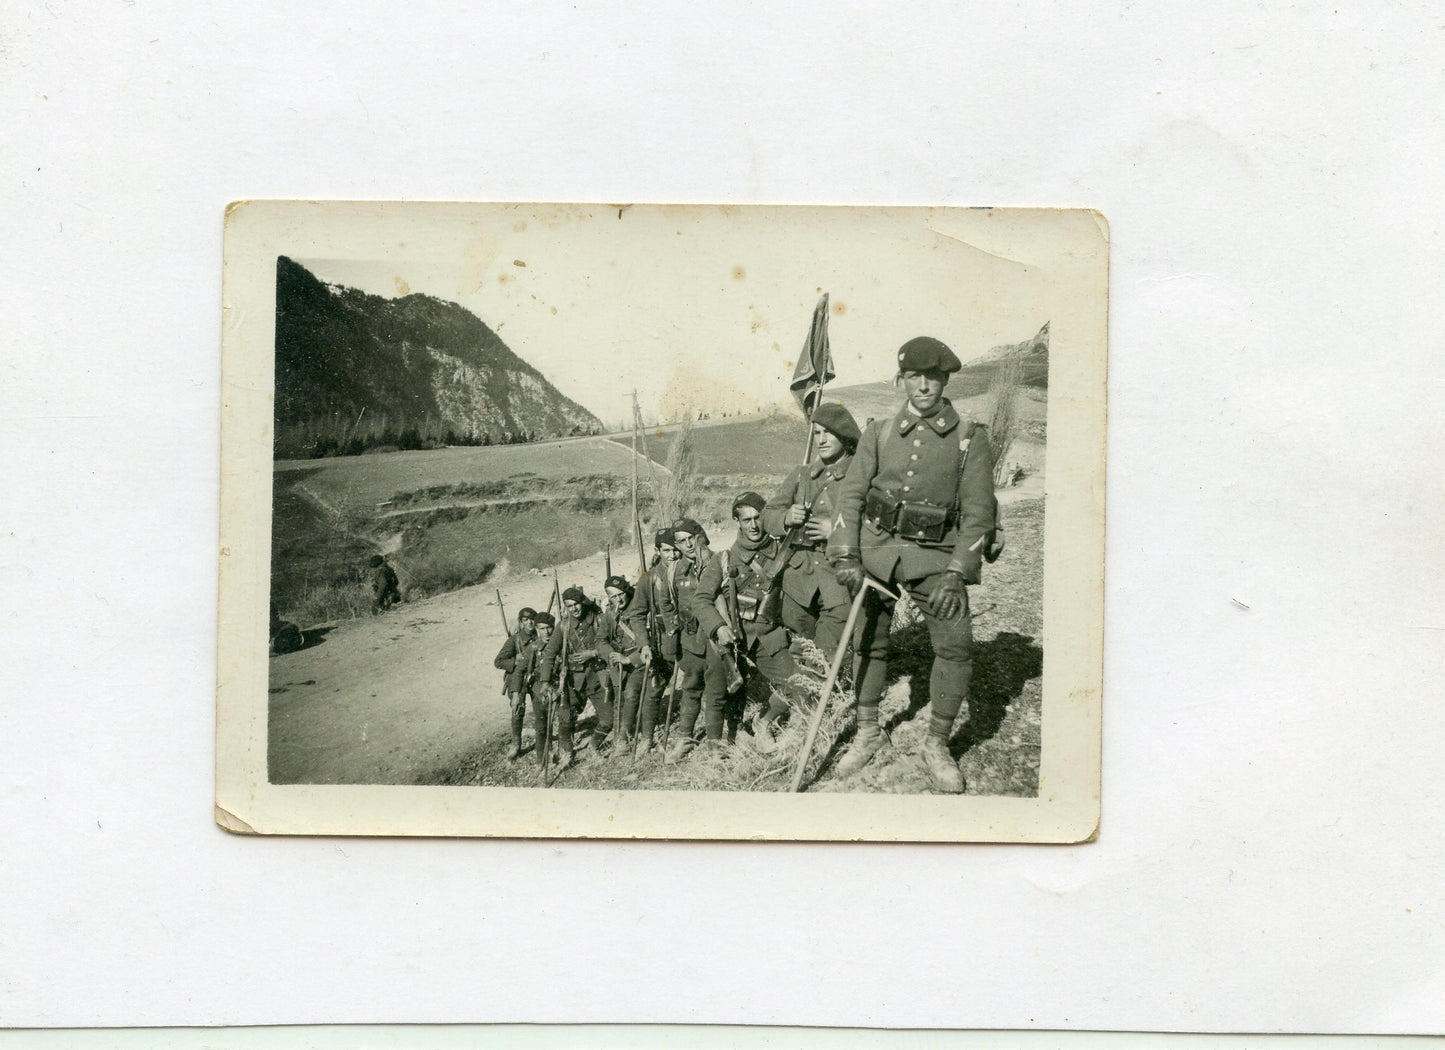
<point x="235" y="206"/>
<point x="969" y="244"/>
<point x="228" y="820"/>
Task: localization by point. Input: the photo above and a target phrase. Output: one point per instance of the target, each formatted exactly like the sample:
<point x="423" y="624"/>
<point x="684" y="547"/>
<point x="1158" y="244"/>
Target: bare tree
<point x="679" y="486"/>
<point x="1000" y="410"/>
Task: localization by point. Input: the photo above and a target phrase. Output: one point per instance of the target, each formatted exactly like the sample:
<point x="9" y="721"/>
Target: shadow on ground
<point x="1001" y="666"/>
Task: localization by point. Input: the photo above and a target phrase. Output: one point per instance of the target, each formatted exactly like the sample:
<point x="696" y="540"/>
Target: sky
<point x="706" y="308"/>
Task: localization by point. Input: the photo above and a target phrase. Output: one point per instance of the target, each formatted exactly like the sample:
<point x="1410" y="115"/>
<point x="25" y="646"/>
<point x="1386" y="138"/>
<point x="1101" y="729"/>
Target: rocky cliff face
<point x="414" y="365"/>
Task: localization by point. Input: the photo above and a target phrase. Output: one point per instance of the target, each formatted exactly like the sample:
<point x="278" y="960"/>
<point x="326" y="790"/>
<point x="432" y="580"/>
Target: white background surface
<point x="1271" y="851"/>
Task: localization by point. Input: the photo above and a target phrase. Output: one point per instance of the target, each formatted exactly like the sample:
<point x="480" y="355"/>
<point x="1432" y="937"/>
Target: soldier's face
<point x="750" y="523"/>
<point x="573" y="608"/>
<point x="687" y="544"/>
<point x="924" y="388"/>
<point x="670" y="552"/>
<point x="828" y="444"/>
<point x="614" y="600"/>
<point x="544" y="631"/>
<point x="528" y="623"/>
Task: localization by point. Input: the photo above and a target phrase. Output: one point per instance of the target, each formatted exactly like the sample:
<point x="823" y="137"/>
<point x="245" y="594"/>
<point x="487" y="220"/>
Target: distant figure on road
<point x="384" y="590"/>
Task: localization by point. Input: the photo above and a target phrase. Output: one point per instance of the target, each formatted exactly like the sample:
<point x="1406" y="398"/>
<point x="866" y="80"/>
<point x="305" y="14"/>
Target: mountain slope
<point x="415" y="364"/>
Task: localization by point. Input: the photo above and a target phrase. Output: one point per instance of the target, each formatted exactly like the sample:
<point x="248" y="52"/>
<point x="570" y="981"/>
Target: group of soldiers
<point x="904" y="505"/>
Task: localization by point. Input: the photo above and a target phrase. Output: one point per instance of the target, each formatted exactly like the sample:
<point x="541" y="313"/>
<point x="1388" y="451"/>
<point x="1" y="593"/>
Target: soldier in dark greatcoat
<point x="507" y="662"/>
<point x="815" y="605"/>
<point x="916" y="511"/>
<point x="587" y="649"/>
<point x="761" y="637"/>
<point x="697" y="579"/>
<point x="624" y="622"/>
<point x="539" y="689"/>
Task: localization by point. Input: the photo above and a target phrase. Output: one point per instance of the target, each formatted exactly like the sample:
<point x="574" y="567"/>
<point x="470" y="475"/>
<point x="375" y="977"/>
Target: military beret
<point x="690" y="527"/>
<point x="547" y="618"/>
<point x="618" y="583"/>
<point x="575" y="594"/>
<point x="924" y="354"/>
<point x="376" y="559"/>
<point x="664" y="536"/>
<point x="749" y="499"/>
<point x="836" y="419"/>
<point x="527" y="614"/>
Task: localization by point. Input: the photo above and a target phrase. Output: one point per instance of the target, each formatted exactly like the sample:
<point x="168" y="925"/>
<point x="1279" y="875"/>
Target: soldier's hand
<point x="947" y="598"/>
<point x="817" y="529"/>
<point x="797" y="514"/>
<point x="724" y="636"/>
<point x="849" y="573"/>
<point x="616" y="659"/>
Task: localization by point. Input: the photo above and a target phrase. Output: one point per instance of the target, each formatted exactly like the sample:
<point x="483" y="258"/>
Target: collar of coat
<point x="942" y="421"/>
<point x="837" y="468"/>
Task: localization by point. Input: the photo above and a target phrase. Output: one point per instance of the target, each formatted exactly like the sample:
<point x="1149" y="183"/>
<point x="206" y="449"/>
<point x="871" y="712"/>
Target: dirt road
<point x="387" y="699"/>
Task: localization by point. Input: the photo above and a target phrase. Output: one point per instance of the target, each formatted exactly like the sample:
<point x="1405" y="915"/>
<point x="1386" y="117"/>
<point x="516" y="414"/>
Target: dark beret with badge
<point x="546" y="618"/>
<point x="836" y="419"/>
<point x="663" y="537"/>
<point x="575" y="594"/>
<point x="618" y="583"/>
<point x="527" y="613"/>
<point x="926" y="354"/>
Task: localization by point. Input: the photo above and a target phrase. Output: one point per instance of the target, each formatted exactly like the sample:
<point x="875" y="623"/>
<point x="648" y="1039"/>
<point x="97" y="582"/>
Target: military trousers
<point x="703" y="689"/>
<point x="543" y="730"/>
<point x="517" y="704"/>
<point x="771" y="665"/>
<point x="634" y="694"/>
<point x="819" y="622"/>
<point x="951" y="640"/>
<point x="589" y="683"/>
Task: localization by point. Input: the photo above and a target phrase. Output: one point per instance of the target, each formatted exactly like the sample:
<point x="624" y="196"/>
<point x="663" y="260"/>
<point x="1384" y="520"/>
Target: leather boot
<point x="763" y="735"/>
<point x="516" y="748"/>
<point x="947" y="777"/>
<point x="865" y="745"/>
<point x="679" y="749"/>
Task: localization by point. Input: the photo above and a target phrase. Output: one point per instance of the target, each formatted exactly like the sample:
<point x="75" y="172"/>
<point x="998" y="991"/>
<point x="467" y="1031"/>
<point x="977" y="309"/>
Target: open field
<point x="346" y="482"/>
<point x="774" y="444"/>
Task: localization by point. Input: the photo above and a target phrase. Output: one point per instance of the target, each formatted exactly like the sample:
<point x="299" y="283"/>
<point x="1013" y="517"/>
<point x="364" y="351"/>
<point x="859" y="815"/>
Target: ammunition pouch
<point x="748" y="607"/>
<point x="914" y="520"/>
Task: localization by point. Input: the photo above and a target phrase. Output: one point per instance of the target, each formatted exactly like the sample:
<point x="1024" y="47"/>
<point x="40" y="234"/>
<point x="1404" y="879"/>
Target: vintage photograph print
<point x="662" y="521"/>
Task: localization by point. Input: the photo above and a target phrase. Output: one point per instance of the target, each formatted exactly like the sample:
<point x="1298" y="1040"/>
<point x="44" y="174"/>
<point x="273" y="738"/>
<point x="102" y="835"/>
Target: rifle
<point x="559" y="693"/>
<point x="507" y="632"/>
<point x="667" y="719"/>
<point x="737" y="662"/>
<point x="646" y="685"/>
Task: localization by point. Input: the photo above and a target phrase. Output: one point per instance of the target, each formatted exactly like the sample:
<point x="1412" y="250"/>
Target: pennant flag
<point x="814" y="363"/>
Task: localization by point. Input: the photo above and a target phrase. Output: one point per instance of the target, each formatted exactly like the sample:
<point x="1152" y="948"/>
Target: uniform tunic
<point x="814" y="604"/>
<point x="584" y="634"/>
<point x="941" y="460"/>
<point x="763" y="640"/>
<point x="704" y="677"/>
<point x="507" y="660"/>
<point x="918" y="459"/>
